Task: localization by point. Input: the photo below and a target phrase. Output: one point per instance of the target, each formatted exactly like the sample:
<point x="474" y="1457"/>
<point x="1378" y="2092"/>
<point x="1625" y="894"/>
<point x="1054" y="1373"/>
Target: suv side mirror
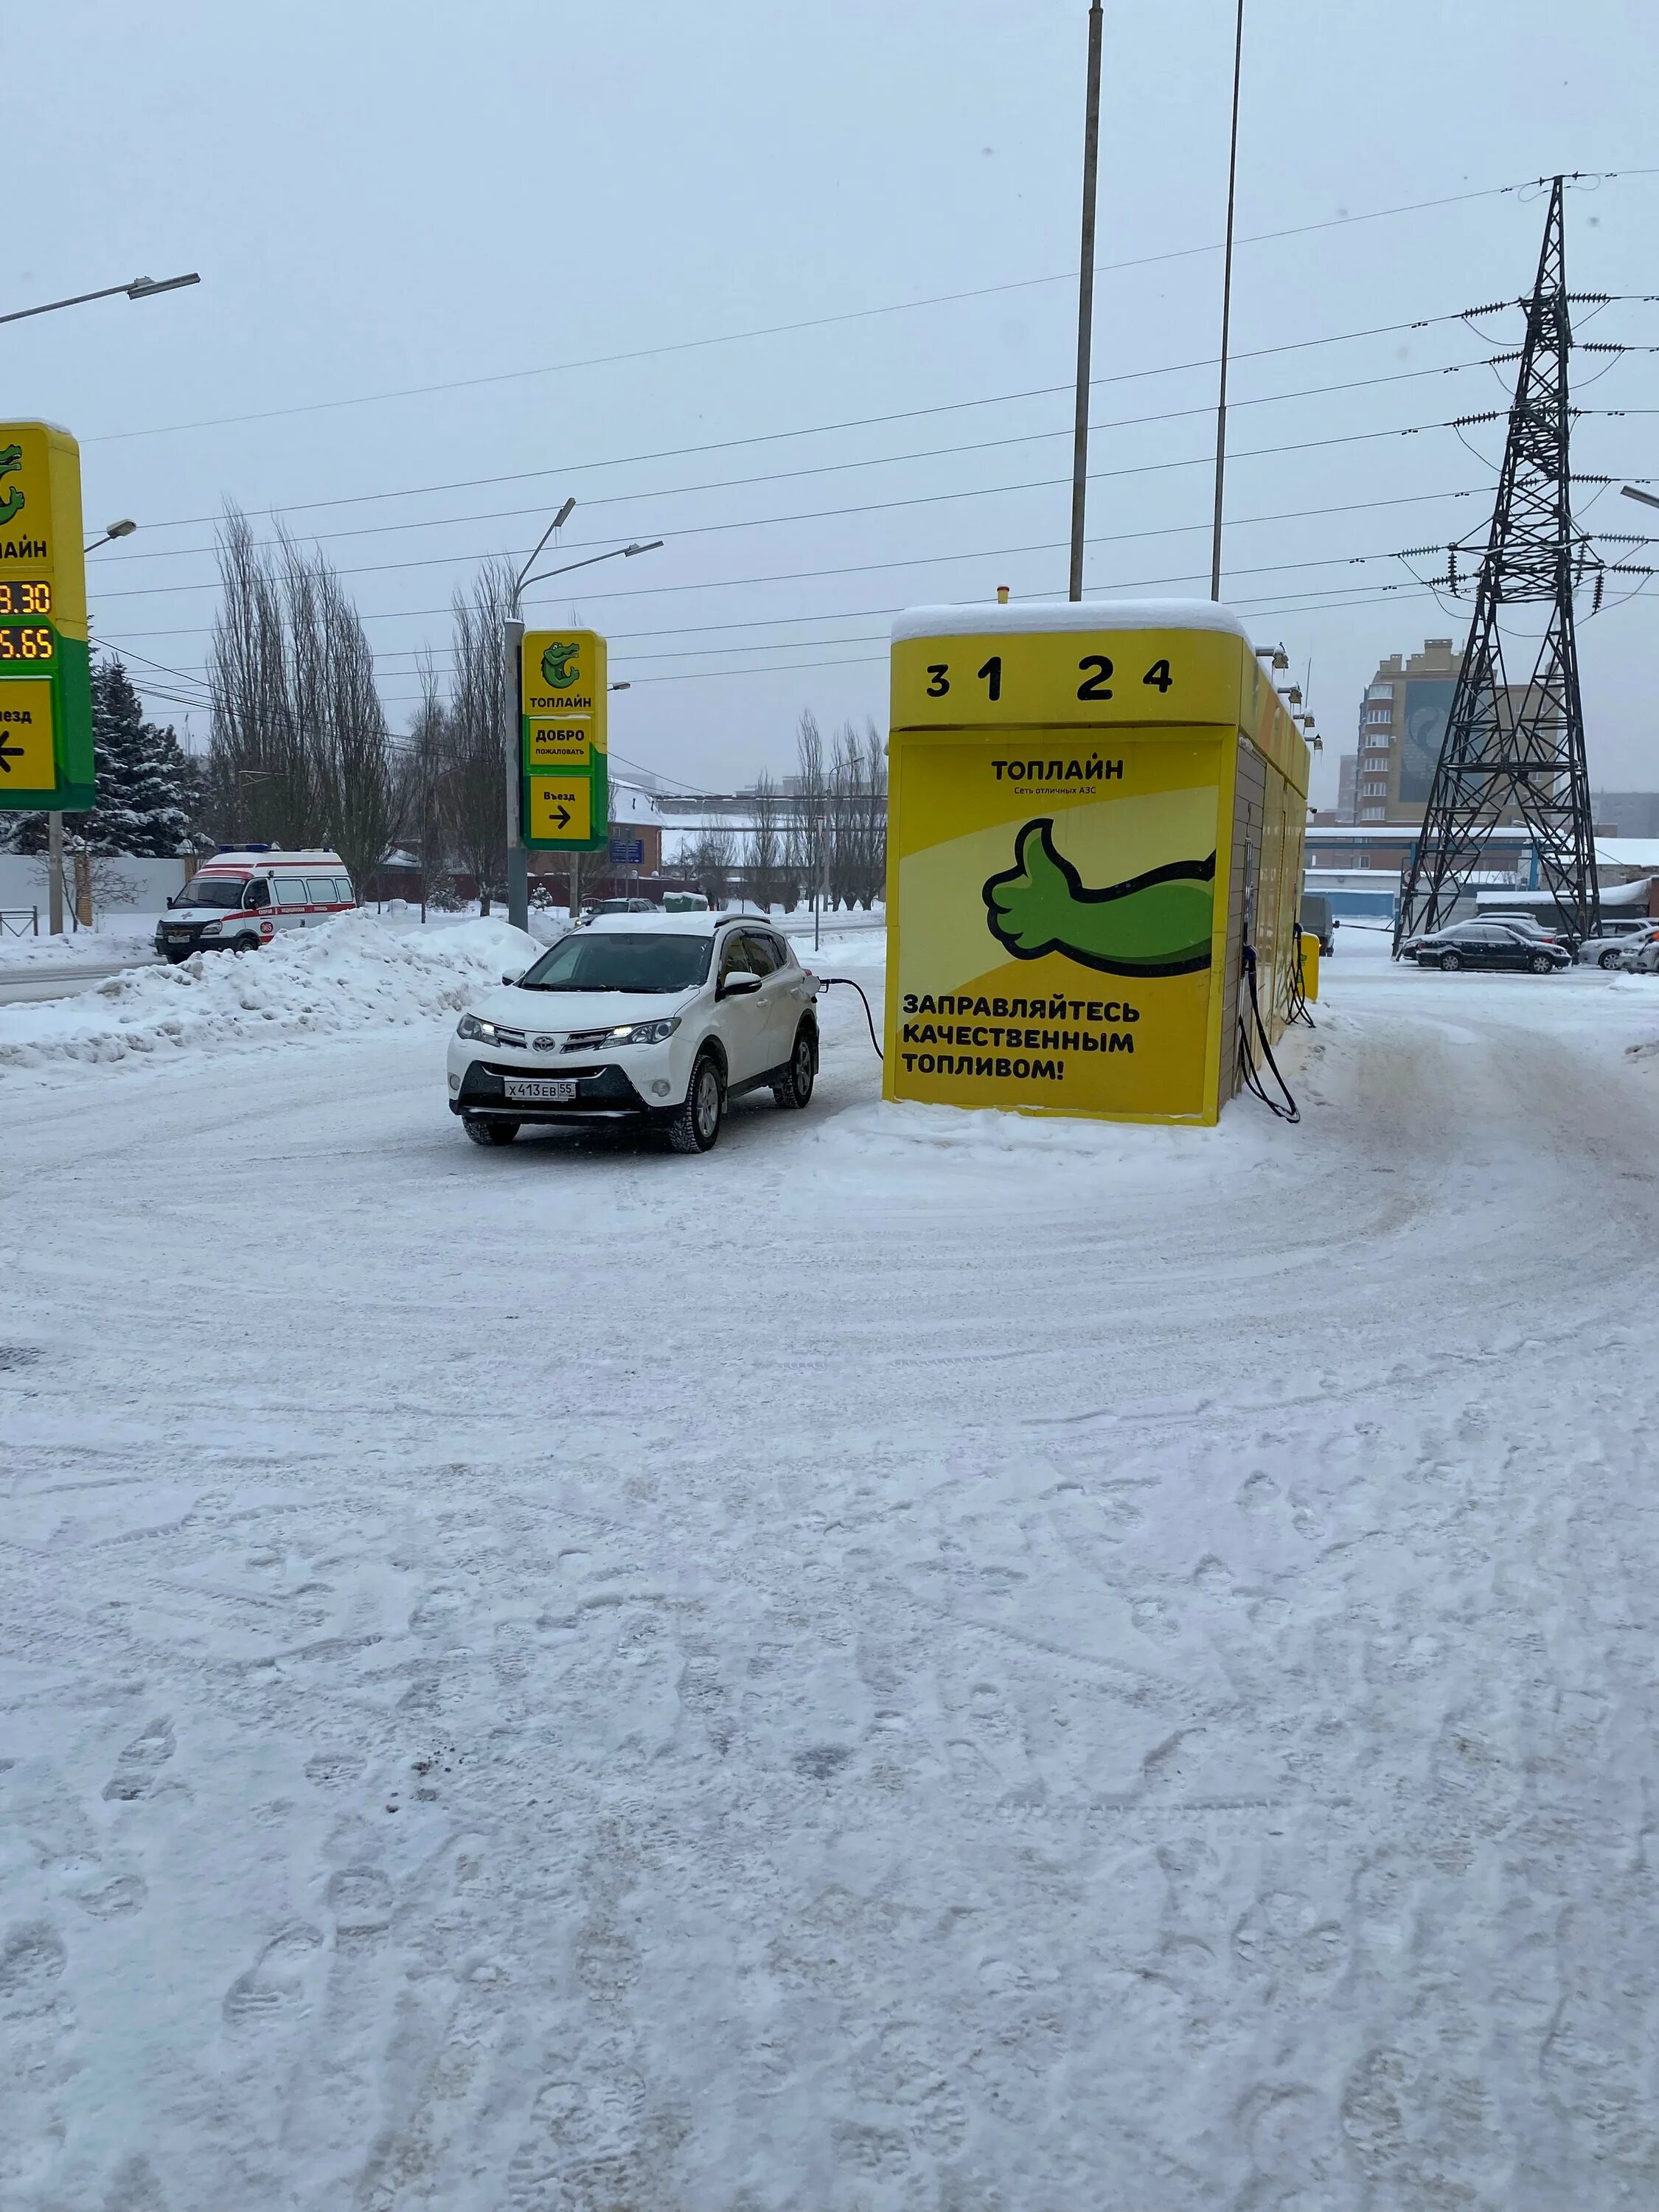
<point x="741" y="983"/>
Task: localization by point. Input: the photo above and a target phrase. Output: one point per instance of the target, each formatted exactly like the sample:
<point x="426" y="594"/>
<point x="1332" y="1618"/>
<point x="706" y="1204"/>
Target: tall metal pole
<point x="518" y="869"/>
<point x="1085" y="306"/>
<point x="1226" y="311"/>
<point x="55" y="873"/>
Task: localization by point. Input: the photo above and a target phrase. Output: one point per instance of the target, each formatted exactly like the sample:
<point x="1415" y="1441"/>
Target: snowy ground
<point x="121" y="937"/>
<point x="919" y="1660"/>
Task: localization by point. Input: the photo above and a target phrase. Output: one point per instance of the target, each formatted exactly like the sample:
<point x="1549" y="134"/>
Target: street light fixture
<point x="110" y="530"/>
<point x="141" y="287"/>
<point x="1646" y="497"/>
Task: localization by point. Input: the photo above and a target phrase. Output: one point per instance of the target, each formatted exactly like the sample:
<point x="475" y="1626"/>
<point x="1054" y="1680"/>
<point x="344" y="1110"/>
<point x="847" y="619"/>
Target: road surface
<point x="919" y="1660"/>
<point x="22" y="987"/>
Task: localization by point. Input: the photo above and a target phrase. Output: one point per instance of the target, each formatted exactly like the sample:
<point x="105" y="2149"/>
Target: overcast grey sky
<point x="380" y="195"/>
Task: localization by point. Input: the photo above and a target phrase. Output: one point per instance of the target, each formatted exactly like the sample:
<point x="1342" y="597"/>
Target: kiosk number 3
<point x="1095" y="669"/>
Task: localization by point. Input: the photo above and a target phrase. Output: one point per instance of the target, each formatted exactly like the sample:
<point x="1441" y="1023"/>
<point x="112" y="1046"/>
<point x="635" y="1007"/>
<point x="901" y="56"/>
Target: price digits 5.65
<point x="1095" y="669"/>
<point x="22" y="642"/>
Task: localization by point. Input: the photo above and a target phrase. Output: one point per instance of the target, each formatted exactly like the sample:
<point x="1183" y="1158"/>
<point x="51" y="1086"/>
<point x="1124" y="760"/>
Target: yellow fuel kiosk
<point x="1094" y="812"/>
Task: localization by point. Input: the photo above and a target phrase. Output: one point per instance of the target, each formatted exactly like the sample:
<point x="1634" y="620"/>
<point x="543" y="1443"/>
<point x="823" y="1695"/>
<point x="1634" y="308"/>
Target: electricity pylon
<point x="1519" y="744"/>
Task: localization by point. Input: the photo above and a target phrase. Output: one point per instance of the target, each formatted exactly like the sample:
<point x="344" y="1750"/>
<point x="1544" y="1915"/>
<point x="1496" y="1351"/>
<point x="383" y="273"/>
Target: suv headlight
<point x="470" y="1026"/>
<point x="645" y="1032"/>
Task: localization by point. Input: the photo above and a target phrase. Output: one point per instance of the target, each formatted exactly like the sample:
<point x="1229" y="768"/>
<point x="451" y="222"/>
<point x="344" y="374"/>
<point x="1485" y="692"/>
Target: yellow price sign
<point x="26" y="752"/>
<point x="559" y="744"/>
<point x="560" y="806"/>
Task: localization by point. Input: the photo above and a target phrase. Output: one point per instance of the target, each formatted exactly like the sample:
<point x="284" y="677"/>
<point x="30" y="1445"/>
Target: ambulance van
<point x="239" y="899"/>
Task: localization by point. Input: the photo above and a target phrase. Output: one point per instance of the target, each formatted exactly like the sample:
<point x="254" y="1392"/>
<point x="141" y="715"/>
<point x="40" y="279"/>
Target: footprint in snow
<point x="31" y="1962"/>
<point x="275" y="1984"/>
<point x="140" y="1764"/>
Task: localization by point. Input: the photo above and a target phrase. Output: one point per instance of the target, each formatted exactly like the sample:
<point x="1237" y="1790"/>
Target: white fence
<point x="121" y="883"/>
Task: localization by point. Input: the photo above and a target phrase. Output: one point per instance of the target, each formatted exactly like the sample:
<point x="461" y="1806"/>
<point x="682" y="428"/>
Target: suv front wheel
<point x="694" y="1127"/>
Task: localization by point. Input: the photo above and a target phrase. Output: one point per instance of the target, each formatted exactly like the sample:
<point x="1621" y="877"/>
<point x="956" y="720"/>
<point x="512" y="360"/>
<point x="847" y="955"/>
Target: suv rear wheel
<point x="694" y="1127"/>
<point x="793" y="1089"/>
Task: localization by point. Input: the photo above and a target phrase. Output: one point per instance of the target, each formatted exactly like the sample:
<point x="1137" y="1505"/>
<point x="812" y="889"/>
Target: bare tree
<point x="477" y="805"/>
<point x="765" y="868"/>
<point x="261" y="776"/>
<point x="808" y="843"/>
<point x="858" y="792"/>
<point x="299" y="753"/>
<point x="708" y="860"/>
<point x="359" y="790"/>
<point x="423" y="770"/>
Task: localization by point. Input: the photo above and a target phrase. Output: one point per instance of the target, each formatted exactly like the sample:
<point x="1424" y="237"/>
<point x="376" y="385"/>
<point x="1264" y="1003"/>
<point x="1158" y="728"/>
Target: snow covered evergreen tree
<point x="140" y="806"/>
<point x="142" y="776"/>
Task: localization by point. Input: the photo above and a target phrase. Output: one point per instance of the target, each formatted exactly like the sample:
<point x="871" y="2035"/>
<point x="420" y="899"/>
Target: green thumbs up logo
<point x="11" y="459"/>
<point x="1156" y="924"/>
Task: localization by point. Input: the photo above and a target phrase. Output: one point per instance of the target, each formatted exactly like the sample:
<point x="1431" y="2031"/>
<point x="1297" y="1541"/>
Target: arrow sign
<point x="8" y="755"/>
<point x="563" y="818"/>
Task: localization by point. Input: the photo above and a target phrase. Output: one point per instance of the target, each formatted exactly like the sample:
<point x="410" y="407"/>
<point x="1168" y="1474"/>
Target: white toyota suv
<point x="654" y="1020"/>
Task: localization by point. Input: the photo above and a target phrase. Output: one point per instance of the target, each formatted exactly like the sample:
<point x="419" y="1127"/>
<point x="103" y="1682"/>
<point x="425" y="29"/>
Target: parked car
<point x="1319" y="922"/>
<point x="1605" y="947"/>
<point x="244" y="896"/>
<point x="1487" y="944"/>
<point x="591" y="909"/>
<point x="1552" y="933"/>
<point x="1642" y="959"/>
<point x="653" y="1022"/>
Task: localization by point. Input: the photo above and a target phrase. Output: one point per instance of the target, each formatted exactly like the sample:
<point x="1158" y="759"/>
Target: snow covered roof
<point x="632" y="804"/>
<point x="1068" y="614"/>
<point x="1628" y="852"/>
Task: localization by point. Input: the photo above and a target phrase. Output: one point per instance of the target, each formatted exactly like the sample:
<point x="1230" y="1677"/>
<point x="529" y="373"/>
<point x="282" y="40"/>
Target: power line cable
<point x="773" y="437"/>
<point x="811" y="322"/>
<point x="861" y="568"/>
<point x="867" y="506"/>
<point x="784" y="476"/>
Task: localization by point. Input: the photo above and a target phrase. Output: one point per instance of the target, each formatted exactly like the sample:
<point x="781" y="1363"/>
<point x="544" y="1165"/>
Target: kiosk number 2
<point x="1094" y="668"/>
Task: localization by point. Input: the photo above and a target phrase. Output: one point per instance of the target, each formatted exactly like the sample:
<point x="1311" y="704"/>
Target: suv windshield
<point x="646" y="962"/>
<point x="211" y="891"/>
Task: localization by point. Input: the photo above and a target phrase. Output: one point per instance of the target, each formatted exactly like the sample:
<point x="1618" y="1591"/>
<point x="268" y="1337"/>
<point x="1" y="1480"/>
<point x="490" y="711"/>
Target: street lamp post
<point x="141" y="287"/>
<point x="55" y="821"/>
<point x="518" y="864"/>
<point x="1085" y="306"/>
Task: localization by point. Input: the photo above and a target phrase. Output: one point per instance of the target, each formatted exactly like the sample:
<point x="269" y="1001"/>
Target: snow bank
<point x="353" y="973"/>
<point x="127" y="936"/>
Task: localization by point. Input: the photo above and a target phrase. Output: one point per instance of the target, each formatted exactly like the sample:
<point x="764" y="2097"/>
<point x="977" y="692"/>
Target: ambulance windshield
<point x="211" y="891"/>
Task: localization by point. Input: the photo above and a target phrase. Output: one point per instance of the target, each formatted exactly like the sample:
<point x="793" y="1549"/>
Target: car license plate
<point x="178" y="937"/>
<point x="523" y="1090"/>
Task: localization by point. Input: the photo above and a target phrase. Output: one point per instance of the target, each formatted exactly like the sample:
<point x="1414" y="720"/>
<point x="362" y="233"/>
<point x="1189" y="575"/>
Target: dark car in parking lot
<point x="1487" y="944"/>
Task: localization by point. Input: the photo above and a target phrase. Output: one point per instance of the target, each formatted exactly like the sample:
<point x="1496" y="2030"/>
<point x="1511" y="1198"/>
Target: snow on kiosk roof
<point x="1069" y="615"/>
<point x="1095" y="811"/>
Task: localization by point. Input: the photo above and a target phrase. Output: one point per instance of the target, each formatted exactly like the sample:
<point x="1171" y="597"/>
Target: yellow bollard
<point x="1309" y="966"/>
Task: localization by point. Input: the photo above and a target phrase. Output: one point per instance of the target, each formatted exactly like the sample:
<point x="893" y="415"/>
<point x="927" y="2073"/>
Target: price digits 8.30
<point x="25" y="598"/>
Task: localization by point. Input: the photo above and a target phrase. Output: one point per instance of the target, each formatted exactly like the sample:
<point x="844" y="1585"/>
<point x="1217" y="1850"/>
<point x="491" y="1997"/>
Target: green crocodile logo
<point x="11" y="459"/>
<point x="1156" y="924"/>
<point x="557" y="673"/>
